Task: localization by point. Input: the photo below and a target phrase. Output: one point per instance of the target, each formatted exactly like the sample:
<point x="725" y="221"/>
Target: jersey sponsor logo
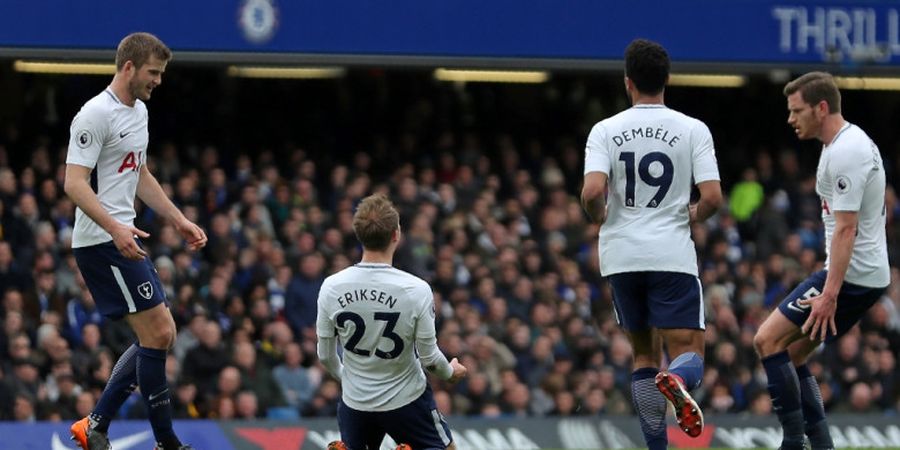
<point x="84" y="139"/>
<point x="146" y="290"/>
<point x="843" y="184"/>
<point x="131" y="161"/>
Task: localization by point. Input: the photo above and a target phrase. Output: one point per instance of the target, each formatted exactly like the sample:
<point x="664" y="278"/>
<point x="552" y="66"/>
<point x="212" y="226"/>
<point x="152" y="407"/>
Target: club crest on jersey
<point x="843" y="184"/>
<point x="146" y="290"/>
<point x="84" y="139"/>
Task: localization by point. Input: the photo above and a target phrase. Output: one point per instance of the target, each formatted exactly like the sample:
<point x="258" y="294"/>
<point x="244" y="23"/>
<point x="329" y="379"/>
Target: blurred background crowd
<point x="486" y="180"/>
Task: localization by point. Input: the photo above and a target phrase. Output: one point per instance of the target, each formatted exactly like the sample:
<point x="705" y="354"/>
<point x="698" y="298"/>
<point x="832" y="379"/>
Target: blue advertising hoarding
<point x="733" y="31"/>
<point x="123" y="435"/>
<point x="505" y="433"/>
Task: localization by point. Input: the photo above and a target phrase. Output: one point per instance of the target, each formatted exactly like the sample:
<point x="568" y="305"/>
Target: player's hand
<point x="821" y="318"/>
<point x="192" y="234"/>
<point x="459" y="371"/>
<point x="123" y="238"/>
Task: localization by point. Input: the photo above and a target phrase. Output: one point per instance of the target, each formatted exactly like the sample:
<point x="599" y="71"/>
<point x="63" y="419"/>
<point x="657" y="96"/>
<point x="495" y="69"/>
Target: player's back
<point x="652" y="155"/>
<point x="376" y="309"/>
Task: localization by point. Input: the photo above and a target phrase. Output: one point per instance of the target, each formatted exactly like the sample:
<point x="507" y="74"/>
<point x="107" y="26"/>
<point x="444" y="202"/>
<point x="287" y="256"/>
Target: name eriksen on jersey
<point x="372" y="295"/>
<point x="659" y="133"/>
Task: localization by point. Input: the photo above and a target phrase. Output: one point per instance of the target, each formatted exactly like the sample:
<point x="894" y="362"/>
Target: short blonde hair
<point x="138" y="48"/>
<point x="375" y="221"/>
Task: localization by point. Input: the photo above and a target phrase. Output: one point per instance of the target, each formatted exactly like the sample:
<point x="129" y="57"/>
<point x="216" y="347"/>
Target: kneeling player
<point x="385" y="320"/>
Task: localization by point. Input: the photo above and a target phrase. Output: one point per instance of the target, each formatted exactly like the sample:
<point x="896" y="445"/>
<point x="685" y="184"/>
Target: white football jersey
<point x="652" y="156"/>
<point x="379" y="314"/>
<point x="111" y="138"/>
<point x="850" y="177"/>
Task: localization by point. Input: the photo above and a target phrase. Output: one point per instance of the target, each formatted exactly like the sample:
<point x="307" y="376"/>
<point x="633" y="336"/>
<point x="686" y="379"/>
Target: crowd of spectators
<point x="492" y="222"/>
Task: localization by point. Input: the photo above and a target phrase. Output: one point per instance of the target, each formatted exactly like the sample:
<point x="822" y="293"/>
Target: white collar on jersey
<point x="113" y="95"/>
<point x="371" y="265"/>
<point x="839" y="133"/>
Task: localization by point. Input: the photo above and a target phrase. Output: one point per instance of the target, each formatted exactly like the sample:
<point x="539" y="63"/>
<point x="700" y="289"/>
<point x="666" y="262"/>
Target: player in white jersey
<point x="384" y="318"/>
<point x="108" y="145"/>
<point x="850" y="180"/>
<point x="645" y="160"/>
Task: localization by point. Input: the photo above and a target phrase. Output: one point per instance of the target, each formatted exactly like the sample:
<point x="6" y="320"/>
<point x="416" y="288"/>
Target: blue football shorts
<point x="852" y="303"/>
<point x="418" y="424"/>
<point x="657" y="299"/>
<point x="119" y="285"/>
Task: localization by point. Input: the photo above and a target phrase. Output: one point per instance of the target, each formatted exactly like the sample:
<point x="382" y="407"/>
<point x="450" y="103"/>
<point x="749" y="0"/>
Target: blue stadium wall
<point x="852" y="34"/>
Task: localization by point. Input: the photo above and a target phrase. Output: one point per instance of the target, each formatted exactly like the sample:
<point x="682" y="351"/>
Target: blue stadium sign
<point x="762" y="32"/>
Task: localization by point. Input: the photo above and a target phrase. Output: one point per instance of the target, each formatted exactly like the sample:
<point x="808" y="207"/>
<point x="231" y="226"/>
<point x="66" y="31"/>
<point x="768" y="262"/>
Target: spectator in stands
<point x="12" y="274"/>
<point x="256" y="376"/>
<point x="24" y="407"/>
<point x="247" y="405"/>
<point x="189" y="337"/>
<point x="44" y="298"/>
<point x="206" y="361"/>
<point x="185" y="402"/>
<point x="80" y="312"/>
<point x="293" y="379"/>
<point x="300" y="299"/>
<point x="324" y="403"/>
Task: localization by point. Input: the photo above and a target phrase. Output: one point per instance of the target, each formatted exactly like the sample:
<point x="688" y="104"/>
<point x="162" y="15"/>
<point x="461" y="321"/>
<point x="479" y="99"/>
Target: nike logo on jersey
<point x="123" y="134"/>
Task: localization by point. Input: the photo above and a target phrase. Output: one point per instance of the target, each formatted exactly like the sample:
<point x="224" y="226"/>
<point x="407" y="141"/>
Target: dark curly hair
<point x="647" y="65"/>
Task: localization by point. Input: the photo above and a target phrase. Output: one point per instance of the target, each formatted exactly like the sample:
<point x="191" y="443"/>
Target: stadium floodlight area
<point x="491" y="76"/>
<point x="869" y="83"/>
<point x="286" y="72"/>
<point x="707" y="80"/>
<point x="68" y="68"/>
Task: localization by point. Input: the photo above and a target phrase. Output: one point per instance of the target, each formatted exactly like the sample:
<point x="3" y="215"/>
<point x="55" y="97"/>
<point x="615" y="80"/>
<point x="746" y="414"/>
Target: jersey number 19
<point x="663" y="181"/>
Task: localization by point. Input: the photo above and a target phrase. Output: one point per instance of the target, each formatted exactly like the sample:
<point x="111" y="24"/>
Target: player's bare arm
<point x="710" y="200"/>
<point x="78" y="188"/>
<point x="593" y="196"/>
<point x="151" y="193"/>
<point x="821" y="317"/>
